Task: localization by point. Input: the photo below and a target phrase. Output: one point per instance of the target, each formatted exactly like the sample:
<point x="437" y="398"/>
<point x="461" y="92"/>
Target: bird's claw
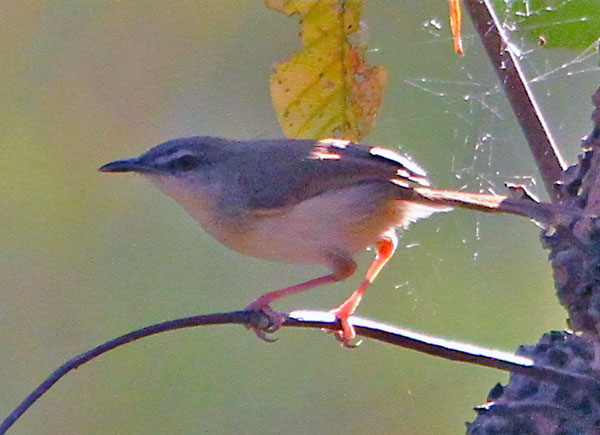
<point x="346" y="335"/>
<point x="266" y="322"/>
<point x="348" y="343"/>
<point x="262" y="335"/>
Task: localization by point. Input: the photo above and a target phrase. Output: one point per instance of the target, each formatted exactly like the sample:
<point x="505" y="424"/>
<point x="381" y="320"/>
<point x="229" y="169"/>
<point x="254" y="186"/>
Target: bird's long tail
<point x="540" y="211"/>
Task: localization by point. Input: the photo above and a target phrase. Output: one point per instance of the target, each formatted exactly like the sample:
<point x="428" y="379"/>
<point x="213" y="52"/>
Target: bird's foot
<point x="267" y="323"/>
<point x="346" y="335"/>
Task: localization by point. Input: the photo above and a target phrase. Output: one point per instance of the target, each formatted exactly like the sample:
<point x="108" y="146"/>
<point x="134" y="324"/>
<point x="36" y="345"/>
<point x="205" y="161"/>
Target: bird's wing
<point x="289" y="171"/>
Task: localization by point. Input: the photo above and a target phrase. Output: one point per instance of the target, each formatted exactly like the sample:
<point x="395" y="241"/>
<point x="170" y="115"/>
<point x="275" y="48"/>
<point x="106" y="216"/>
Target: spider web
<point x="562" y="81"/>
<point x="487" y="148"/>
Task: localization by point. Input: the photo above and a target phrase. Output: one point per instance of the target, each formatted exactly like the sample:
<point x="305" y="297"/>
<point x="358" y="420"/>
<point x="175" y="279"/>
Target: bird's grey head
<point x="177" y="157"/>
<point x="187" y="169"/>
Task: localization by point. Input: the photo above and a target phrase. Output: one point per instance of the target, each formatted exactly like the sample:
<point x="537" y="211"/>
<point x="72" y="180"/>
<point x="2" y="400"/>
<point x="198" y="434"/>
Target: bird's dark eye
<point x="186" y="162"/>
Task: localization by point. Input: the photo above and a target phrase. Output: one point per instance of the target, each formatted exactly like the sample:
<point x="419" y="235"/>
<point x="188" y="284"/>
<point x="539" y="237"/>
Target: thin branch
<point x="506" y="64"/>
<point x="451" y="350"/>
<point x="315" y="319"/>
<point x="241" y="317"/>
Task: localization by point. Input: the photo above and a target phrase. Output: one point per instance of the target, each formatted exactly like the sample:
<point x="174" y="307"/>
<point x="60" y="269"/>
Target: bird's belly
<point x="345" y="222"/>
<point x="340" y="222"/>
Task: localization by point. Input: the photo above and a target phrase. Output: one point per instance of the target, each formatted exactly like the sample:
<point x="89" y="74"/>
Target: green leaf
<point x="555" y="23"/>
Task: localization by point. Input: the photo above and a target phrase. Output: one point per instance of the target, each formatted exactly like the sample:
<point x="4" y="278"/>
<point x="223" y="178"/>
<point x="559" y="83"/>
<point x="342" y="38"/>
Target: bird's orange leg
<point x="342" y="267"/>
<point x="263" y="303"/>
<point x="384" y="249"/>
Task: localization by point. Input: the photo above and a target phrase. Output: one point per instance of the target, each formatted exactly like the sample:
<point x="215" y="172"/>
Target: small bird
<point x="305" y="201"/>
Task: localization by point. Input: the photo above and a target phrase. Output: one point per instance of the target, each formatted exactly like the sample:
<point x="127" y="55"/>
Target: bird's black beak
<point x="128" y="165"/>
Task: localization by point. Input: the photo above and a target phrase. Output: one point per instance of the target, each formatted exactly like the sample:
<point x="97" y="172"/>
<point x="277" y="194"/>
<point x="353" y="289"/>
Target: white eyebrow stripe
<point x="161" y="160"/>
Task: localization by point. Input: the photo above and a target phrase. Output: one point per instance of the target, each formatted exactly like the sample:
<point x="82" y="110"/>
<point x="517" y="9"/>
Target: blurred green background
<point x="85" y="257"/>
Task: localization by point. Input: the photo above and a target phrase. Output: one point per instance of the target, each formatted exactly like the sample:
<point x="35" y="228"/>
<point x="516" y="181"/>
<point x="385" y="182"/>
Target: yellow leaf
<point x="326" y="89"/>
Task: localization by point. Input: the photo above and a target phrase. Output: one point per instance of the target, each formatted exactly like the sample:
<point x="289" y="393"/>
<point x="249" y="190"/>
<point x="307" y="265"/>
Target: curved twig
<point x="315" y="319"/>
